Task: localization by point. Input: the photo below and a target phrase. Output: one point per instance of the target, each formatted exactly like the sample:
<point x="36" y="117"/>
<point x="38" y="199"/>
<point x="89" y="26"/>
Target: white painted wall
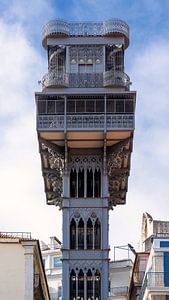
<point x="12" y="271"/>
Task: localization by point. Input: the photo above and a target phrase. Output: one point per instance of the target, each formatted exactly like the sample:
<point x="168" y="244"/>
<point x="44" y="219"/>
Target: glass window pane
<point x="129" y="107"/>
<point x="80" y="106"/>
<point x="50" y="107"/>
<point x="110" y="106"/>
<point x="119" y="106"/>
<point x="57" y="262"/>
<point x="89" y="106"/>
<point x="99" y="106"/>
<point x="71" y="106"/>
<point x="60" y="107"/>
<point x="42" y="107"/>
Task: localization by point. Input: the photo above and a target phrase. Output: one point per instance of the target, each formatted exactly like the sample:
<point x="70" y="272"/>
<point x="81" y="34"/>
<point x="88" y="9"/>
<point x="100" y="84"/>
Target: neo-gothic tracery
<point x="85" y="234"/>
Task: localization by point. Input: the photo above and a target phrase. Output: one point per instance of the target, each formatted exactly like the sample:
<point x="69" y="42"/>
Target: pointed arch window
<point x="81" y="234"/>
<point x="73" y="183"/>
<point x="89" y="285"/>
<point x="97" y="285"/>
<point x="89" y="234"/>
<point x="72" y="285"/>
<point x="97" y="183"/>
<point x="73" y="234"/>
<point x="80" y="285"/>
<point x="85" y="182"/>
<point x="81" y="183"/>
<point x="89" y="183"/>
<point x="97" y="234"/>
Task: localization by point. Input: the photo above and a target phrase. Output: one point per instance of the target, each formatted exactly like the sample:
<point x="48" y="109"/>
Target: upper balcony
<point x="61" y="28"/>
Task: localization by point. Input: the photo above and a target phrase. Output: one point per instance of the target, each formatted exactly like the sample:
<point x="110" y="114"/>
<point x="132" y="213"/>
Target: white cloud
<point x="23" y="204"/>
<point x="148" y="183"/>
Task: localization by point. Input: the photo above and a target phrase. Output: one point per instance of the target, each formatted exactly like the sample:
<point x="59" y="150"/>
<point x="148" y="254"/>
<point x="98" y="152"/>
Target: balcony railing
<point x="118" y="291"/>
<point x="82" y="80"/>
<point x="59" y="79"/>
<point x="85" y="122"/>
<point x="116" y="78"/>
<point x="154" y="280"/>
<point x="18" y="234"/>
<point x="64" y="28"/>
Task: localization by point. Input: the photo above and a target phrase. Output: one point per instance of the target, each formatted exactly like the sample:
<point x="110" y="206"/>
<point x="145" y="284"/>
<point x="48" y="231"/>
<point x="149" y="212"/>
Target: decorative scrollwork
<point x="118" y="172"/>
<point x="54" y="174"/>
<point x="86" y="80"/>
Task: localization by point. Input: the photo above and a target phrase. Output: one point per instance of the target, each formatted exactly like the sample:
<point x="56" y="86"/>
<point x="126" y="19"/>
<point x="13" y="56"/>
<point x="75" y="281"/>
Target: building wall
<point x="12" y="271"/>
<point x="53" y="272"/>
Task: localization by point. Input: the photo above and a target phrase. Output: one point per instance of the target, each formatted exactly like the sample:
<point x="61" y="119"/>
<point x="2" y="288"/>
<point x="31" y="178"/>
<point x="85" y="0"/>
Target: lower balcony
<point x="86" y="122"/>
<point x="116" y="78"/>
<point x="83" y="80"/>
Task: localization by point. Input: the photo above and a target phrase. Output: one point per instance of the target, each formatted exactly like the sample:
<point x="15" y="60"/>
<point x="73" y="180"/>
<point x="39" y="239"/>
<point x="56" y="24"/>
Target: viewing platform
<point x="61" y="28"/>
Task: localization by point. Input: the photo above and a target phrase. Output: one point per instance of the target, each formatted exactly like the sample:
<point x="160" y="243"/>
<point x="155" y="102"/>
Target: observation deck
<point x="61" y="28"/>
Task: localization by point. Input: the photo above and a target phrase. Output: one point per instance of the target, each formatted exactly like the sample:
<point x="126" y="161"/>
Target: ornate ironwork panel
<point x="53" y="174"/>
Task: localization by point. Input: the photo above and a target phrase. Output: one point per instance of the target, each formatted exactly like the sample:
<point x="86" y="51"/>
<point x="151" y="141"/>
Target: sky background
<point x="23" y="62"/>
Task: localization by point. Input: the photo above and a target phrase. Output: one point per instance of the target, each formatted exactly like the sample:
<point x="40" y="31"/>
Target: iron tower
<point x="85" y="124"/>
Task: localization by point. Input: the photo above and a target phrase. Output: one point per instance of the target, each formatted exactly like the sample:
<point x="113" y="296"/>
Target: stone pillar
<point x="29" y="273"/>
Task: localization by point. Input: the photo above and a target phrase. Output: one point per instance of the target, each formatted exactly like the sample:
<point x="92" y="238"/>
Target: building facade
<point x="119" y="278"/>
<point x="22" y="274"/>
<point x="150" y="278"/>
<point x="52" y="260"/>
<point x="85" y="124"/>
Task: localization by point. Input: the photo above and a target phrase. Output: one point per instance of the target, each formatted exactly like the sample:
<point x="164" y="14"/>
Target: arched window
<point x="73" y="183"/>
<point x="97" y="234"/>
<point x="89" y="183"/>
<point x="97" y="183"/>
<point x="80" y="285"/>
<point x="85" y="182"/>
<point x="89" y="234"/>
<point x="89" y="285"/>
<point x="72" y="285"/>
<point x="73" y="234"/>
<point x="81" y="183"/>
<point x="81" y="234"/>
<point x="97" y="285"/>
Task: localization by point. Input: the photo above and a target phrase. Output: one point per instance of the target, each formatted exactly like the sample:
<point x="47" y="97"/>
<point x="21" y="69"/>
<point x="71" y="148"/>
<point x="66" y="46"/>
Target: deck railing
<point x="85" y="122"/>
<point x="64" y="28"/>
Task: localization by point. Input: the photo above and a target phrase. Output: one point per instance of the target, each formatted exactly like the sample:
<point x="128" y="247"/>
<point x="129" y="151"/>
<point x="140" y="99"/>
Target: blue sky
<point x="23" y="62"/>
